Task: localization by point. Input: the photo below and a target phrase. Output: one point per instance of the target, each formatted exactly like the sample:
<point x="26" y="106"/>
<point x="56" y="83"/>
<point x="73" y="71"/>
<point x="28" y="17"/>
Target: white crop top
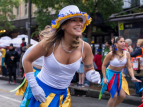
<point x="117" y="63"/>
<point x="58" y="75"/>
<point x="38" y="61"/>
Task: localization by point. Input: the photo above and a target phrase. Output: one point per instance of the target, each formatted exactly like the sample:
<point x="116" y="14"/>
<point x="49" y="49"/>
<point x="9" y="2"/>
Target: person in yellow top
<point x="3" y="51"/>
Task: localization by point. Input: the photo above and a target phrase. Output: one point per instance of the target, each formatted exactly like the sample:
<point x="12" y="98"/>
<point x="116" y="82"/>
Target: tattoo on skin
<point x="88" y="66"/>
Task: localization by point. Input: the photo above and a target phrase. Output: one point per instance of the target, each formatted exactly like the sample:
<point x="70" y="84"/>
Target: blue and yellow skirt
<point x="116" y="81"/>
<point x="54" y="97"/>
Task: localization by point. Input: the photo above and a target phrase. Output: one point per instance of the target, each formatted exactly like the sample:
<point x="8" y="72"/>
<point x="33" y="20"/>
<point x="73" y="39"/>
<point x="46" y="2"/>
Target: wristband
<point x="133" y="78"/>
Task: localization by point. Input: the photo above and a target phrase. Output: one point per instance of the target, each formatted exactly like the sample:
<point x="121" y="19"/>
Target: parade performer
<point x="112" y="77"/>
<point x="24" y="88"/>
<point x="63" y="51"/>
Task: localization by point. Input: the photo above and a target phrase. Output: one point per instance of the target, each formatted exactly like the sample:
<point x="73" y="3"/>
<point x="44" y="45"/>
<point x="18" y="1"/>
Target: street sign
<point x="121" y="26"/>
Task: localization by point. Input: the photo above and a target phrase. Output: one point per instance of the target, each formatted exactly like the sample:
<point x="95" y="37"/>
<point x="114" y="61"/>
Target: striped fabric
<point x="114" y="83"/>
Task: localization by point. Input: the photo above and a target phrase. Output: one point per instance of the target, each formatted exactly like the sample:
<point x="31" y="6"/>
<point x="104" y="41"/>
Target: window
<point x="25" y="8"/>
<point x="141" y="2"/>
<point x="135" y="2"/>
<point x="127" y="4"/>
<point x="133" y="31"/>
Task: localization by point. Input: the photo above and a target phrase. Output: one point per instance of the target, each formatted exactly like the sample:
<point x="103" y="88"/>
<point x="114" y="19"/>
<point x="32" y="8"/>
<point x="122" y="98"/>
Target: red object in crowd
<point x="97" y="60"/>
<point x="140" y="105"/>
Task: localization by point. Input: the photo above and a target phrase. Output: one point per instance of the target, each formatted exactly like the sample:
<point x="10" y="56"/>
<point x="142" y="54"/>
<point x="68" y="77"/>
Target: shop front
<point x="130" y="26"/>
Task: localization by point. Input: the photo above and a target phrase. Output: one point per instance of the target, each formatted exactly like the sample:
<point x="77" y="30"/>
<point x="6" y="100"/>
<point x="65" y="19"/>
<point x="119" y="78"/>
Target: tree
<point x="6" y="13"/>
<point x="104" y="7"/>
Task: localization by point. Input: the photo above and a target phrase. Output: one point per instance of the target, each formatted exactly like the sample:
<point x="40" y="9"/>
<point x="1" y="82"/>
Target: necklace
<point x="65" y="49"/>
<point x="120" y="56"/>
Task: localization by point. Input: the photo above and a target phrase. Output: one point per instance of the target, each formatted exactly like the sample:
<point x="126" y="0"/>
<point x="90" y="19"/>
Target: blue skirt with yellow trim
<point x="114" y="83"/>
<point x="54" y="97"/>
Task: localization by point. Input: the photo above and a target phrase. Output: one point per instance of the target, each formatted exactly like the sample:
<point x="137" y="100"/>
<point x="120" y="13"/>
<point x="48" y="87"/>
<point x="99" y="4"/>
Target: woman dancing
<point x="24" y="89"/>
<point x="112" y="77"/>
<point x="63" y="52"/>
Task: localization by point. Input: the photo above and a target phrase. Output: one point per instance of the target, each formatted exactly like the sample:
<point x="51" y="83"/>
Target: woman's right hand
<point x="105" y="81"/>
<point x="38" y="93"/>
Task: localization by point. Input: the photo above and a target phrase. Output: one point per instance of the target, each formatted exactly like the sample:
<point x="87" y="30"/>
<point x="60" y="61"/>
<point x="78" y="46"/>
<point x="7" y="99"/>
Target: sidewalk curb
<point x="18" y="80"/>
<point x="132" y="100"/>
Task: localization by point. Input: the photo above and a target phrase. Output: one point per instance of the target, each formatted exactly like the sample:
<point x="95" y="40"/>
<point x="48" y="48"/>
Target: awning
<point x="22" y="22"/>
<point x="114" y="18"/>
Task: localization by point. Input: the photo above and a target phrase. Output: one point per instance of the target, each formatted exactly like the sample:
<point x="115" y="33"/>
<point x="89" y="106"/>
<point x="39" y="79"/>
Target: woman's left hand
<point x="136" y="80"/>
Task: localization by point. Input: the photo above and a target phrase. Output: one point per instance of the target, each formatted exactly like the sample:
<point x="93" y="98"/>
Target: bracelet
<point x="104" y="78"/>
<point x="133" y="78"/>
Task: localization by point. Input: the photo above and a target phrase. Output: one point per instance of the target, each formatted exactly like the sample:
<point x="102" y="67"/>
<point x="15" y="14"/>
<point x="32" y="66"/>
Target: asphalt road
<point x="8" y="99"/>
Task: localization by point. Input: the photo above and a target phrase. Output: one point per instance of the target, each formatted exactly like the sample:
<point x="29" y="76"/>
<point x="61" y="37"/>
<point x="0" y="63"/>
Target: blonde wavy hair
<point x="52" y="37"/>
<point x="46" y="31"/>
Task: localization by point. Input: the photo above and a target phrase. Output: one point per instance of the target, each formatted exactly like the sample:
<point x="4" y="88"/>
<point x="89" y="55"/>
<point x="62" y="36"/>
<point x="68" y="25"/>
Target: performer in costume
<point x="63" y="52"/>
<point x="24" y="88"/>
<point x="112" y="77"/>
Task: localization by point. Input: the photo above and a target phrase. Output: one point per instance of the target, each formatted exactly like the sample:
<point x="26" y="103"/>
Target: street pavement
<point x="8" y="99"/>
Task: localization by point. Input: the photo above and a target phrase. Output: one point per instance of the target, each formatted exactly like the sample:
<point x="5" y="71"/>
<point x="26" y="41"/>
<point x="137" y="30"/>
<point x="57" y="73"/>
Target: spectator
<point x="97" y="60"/>
<point x="23" y="46"/>
<point x="128" y="45"/>
<point x="112" y="40"/>
<point x="110" y="49"/>
<point x="128" y="48"/>
<point x="138" y="53"/>
<point x="106" y="50"/>
<point x="11" y="62"/>
<point x="3" y="51"/>
<point x="27" y="46"/>
<point x="81" y="76"/>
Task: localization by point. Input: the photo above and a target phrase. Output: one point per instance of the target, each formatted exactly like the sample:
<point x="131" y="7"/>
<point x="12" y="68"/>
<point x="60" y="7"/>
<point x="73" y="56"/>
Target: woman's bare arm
<point x="91" y="74"/>
<point x="34" y="54"/>
<point x="88" y="59"/>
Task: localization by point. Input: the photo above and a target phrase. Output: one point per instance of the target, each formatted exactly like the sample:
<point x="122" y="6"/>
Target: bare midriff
<point x="118" y="69"/>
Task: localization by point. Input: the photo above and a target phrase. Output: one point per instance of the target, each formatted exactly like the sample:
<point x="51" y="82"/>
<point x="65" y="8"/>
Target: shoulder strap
<point x="82" y="47"/>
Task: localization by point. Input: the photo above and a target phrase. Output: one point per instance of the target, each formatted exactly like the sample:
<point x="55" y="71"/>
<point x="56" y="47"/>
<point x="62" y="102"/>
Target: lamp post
<point x="29" y="22"/>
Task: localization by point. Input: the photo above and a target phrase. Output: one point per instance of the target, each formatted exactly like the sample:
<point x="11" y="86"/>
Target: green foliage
<point x="6" y="12"/>
<point x="104" y="7"/>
